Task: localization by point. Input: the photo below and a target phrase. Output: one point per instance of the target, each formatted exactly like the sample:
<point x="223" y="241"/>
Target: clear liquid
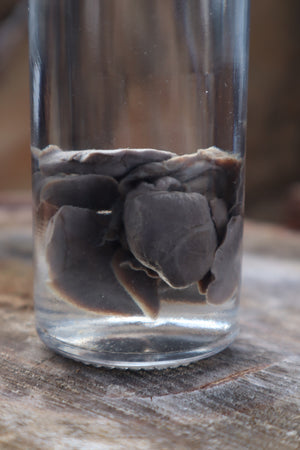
<point x="171" y="76"/>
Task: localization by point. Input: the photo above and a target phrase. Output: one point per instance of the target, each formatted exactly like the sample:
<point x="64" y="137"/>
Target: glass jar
<point x="138" y="140"/>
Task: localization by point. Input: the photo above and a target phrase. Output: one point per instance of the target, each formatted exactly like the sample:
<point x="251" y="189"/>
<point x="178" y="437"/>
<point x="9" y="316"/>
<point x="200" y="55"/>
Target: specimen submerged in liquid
<point x="120" y="230"/>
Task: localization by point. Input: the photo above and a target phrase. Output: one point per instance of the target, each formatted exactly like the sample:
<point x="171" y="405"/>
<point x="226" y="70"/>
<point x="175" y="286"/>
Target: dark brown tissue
<point x="126" y="227"/>
<point x="172" y="233"/>
<point x="79" y="261"/>
<point x="96" y="192"/>
<point x="226" y="265"/>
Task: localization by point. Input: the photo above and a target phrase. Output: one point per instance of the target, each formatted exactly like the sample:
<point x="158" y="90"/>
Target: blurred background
<point x="273" y="156"/>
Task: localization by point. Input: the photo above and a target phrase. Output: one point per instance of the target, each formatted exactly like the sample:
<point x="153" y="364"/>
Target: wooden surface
<point x="246" y="397"/>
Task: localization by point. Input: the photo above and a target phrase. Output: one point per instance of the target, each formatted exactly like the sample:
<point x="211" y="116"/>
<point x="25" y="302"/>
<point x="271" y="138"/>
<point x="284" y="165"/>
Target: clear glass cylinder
<point x="138" y="139"/>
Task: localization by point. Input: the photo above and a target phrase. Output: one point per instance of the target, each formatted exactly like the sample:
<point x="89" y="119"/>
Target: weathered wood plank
<point x="245" y="397"/>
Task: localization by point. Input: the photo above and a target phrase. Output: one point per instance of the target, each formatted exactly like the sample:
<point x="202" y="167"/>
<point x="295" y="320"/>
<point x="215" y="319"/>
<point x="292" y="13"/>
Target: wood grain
<point x="246" y="397"/>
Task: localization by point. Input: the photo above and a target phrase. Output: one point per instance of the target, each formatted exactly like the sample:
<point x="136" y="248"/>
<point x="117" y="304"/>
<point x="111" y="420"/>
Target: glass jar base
<point x="157" y="351"/>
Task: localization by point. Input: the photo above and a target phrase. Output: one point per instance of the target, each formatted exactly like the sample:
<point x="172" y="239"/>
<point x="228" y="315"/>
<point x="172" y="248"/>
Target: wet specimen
<point x="120" y="226"/>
